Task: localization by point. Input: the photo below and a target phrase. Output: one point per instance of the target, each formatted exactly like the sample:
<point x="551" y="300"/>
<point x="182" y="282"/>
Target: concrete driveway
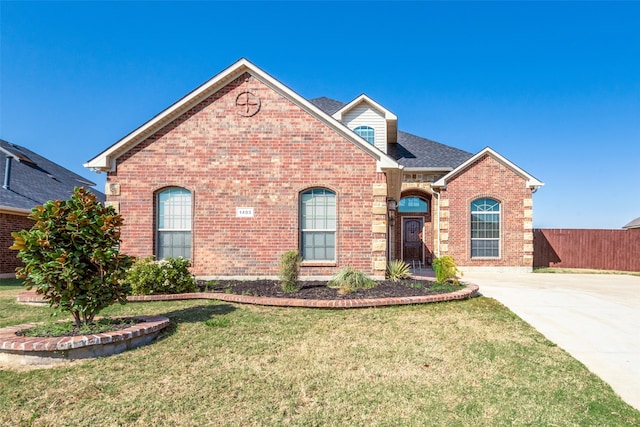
<point x="594" y="317"/>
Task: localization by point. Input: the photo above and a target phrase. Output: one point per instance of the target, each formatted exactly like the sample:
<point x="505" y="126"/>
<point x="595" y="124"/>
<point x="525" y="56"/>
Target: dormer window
<point x="367" y="133"/>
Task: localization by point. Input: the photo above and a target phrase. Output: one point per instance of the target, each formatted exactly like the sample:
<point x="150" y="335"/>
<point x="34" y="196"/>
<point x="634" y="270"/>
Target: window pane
<point x="367" y="133"/>
<point x="413" y="204"/>
<point x="317" y="224"/>
<point x="174" y="223"/>
<point x="485" y="228"/>
<point x="173" y="244"/>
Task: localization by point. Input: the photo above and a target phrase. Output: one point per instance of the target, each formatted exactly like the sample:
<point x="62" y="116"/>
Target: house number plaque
<point x="244" y="212"/>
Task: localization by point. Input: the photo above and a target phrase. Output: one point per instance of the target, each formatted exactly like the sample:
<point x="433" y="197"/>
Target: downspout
<point x="7" y="173"/>
<point x="437" y="196"/>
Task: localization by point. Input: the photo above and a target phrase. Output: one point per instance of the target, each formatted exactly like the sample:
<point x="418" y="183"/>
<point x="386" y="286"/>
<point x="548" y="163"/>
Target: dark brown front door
<point x="412" y="239"/>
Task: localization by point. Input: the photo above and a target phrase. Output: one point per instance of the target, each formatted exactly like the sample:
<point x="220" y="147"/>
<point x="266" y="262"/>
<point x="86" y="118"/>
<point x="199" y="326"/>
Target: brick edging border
<point x="10" y="341"/>
<point x="469" y="291"/>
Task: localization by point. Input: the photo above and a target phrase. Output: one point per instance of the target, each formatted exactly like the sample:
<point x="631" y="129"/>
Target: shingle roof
<point x="327" y="105"/>
<point x="410" y="151"/>
<point x="35" y="179"/>
<point x="633" y="224"/>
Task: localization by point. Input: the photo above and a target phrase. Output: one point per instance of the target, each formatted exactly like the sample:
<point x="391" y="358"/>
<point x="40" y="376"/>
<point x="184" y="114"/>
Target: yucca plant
<point x="349" y="279"/>
<point x="397" y="270"/>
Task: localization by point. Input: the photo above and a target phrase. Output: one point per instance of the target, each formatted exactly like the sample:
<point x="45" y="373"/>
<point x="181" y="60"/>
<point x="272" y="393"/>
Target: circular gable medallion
<point x="247" y="104"/>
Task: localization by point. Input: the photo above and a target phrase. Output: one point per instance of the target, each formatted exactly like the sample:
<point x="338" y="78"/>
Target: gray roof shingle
<point x="35" y="179"/>
<point x="633" y="224"/>
<point x="410" y="151"/>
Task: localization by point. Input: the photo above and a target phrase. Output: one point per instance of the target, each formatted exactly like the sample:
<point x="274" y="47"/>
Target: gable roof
<point x="34" y="179"/>
<point x="105" y="161"/>
<point x="632" y="224"/>
<point x="390" y="118"/>
<point x="410" y="151"/>
<point x="531" y="181"/>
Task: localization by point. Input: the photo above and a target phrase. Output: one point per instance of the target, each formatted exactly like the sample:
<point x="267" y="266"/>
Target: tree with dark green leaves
<point x="71" y="255"/>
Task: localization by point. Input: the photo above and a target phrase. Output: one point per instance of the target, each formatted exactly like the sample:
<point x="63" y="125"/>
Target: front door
<point x="412" y="239"/>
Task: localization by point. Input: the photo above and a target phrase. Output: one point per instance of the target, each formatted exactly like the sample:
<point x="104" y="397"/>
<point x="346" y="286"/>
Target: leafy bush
<point x="349" y="279"/>
<point x="397" y="270"/>
<point x="167" y="276"/>
<point x="446" y="269"/>
<point x="289" y="269"/>
<point x="71" y="255"/>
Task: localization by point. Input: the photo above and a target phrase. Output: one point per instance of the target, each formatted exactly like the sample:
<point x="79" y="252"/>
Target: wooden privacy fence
<point x="582" y="248"/>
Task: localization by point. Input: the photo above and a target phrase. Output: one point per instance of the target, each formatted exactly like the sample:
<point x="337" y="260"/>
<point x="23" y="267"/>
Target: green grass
<point x="463" y="363"/>
<point x="582" y="271"/>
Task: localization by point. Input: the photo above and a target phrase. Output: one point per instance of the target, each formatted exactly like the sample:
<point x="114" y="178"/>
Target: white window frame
<point x="485" y="212"/>
<point x="180" y="222"/>
<point x="367" y="133"/>
<point x="328" y="218"/>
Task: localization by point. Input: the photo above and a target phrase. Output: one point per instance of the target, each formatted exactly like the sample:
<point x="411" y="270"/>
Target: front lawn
<point x="469" y="363"/>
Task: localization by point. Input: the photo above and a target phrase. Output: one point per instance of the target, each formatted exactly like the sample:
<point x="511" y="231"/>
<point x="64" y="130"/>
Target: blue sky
<point x="554" y="87"/>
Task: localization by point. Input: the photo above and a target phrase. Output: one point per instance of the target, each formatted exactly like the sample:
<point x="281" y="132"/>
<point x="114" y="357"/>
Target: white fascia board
<point x="388" y="115"/>
<point x="531" y="181"/>
<point x="105" y="161"/>
<point x="14" y="211"/>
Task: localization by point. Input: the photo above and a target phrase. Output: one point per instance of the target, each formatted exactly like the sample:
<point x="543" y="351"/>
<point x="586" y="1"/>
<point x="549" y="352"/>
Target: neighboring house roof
<point x="633" y="224"/>
<point x="410" y="151"/>
<point x="530" y="180"/>
<point x="105" y="161"/>
<point x="33" y="179"/>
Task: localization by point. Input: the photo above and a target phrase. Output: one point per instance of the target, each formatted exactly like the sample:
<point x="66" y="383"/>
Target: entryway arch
<point x="415" y="234"/>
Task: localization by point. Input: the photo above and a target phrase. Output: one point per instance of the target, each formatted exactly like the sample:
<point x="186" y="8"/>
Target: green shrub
<point x="349" y="279"/>
<point x="167" y="276"/>
<point x="397" y="270"/>
<point x="71" y="255"/>
<point x="446" y="269"/>
<point x="289" y="270"/>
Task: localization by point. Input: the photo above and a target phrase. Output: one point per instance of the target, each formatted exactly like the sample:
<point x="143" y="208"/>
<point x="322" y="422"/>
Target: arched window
<point x="173" y="234"/>
<point x="485" y="228"/>
<point x="318" y="225"/>
<point x="413" y="205"/>
<point x="367" y="133"/>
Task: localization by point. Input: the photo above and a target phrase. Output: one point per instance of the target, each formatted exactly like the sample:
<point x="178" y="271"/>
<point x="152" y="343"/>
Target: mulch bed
<point x="319" y="290"/>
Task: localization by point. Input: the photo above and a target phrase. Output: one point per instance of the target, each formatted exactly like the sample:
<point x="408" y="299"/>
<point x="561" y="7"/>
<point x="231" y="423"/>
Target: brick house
<point x="243" y="169"/>
<point x="28" y="180"/>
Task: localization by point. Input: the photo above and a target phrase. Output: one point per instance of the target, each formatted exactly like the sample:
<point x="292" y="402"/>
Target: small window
<point x="318" y="225"/>
<point x="413" y="205"/>
<point x="485" y="228"/>
<point x="173" y="207"/>
<point x="367" y="133"/>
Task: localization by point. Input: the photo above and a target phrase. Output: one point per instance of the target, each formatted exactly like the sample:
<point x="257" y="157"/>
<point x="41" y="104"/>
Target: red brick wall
<point x="488" y="177"/>
<point x="8" y="223"/>
<point x="227" y="160"/>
